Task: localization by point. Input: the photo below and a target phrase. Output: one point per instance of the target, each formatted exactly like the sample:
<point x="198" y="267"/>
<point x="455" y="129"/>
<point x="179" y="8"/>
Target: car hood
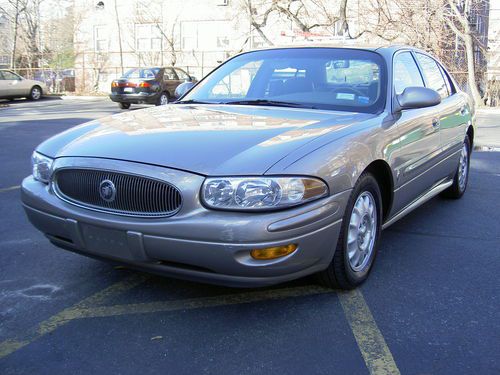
<point x="205" y="139"/>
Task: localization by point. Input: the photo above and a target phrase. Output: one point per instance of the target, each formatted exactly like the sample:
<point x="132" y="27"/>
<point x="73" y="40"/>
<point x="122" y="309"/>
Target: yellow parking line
<point x="9" y="346"/>
<point x="201" y="302"/>
<point x="371" y="343"/>
<point x="10" y="188"/>
<point x="376" y="354"/>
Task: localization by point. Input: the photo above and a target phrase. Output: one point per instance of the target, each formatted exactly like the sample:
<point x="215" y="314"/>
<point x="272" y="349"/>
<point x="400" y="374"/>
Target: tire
<point x="35" y="93"/>
<point x="163" y="99"/>
<point x="345" y="272"/>
<point x="461" y="178"/>
<point x="124" y="105"/>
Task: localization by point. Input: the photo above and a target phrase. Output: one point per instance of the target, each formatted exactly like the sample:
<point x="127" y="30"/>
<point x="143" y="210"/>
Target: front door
<point x="419" y="137"/>
<point x="14" y="84"/>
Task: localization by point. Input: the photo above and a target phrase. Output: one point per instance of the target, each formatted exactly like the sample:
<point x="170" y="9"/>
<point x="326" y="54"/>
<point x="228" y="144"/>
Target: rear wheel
<point x="124" y="105"/>
<point x="163" y="99"/>
<point x="359" y="235"/>
<point x="457" y="189"/>
<point x="35" y="93"/>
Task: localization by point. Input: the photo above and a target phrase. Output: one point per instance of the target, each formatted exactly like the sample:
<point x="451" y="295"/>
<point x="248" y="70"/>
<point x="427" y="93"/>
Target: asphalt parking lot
<point x="431" y="305"/>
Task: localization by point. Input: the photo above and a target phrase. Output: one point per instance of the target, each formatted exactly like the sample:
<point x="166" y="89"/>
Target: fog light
<point x="273" y="252"/>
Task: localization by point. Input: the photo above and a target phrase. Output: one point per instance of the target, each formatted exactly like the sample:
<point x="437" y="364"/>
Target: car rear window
<point x="142" y="73"/>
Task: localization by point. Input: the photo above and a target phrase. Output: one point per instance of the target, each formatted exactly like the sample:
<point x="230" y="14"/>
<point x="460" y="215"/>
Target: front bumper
<point x="196" y="244"/>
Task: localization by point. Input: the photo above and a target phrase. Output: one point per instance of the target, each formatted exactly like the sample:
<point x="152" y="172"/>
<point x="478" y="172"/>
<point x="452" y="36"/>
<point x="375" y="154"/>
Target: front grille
<point x="119" y="193"/>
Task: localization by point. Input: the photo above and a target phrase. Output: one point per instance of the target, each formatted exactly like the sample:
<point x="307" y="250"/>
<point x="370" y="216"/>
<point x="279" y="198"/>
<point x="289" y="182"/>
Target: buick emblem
<point x="107" y="190"/>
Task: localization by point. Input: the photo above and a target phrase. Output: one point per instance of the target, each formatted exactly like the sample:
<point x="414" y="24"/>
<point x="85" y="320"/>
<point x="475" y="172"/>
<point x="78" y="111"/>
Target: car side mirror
<point x="417" y="97"/>
<point x="183" y="88"/>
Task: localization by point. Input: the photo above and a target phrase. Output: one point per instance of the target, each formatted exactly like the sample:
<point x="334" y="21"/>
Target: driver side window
<point x="406" y="73"/>
<point x="10" y="76"/>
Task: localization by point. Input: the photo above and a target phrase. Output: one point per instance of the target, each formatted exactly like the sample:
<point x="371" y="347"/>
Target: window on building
<point x="100" y="38"/>
<point x="406" y="73"/>
<point x="147" y="37"/>
<point x="257" y="41"/>
<point x="148" y="10"/>
<point x="206" y="35"/>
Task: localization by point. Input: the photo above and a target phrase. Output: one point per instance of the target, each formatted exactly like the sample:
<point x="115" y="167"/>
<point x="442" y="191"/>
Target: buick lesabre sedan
<point x="279" y="164"/>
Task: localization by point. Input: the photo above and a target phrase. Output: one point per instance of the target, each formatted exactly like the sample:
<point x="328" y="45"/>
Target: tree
<point x="151" y="13"/>
<point x="458" y="17"/>
<point x="18" y="9"/>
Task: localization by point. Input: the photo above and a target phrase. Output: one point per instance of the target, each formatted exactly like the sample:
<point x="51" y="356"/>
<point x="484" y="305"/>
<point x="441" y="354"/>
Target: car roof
<point x="390" y="49"/>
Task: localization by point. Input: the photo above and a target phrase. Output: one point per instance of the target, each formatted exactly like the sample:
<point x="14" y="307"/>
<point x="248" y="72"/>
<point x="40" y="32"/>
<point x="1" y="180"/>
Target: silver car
<point x="13" y="86"/>
<point x="280" y="163"/>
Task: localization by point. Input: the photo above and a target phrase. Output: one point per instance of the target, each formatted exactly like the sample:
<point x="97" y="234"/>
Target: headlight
<point x="260" y="193"/>
<point x="42" y="167"/>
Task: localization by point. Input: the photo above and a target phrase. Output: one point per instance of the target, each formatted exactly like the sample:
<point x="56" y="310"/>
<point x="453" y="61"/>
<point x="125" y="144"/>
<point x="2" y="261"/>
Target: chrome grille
<point x="133" y="195"/>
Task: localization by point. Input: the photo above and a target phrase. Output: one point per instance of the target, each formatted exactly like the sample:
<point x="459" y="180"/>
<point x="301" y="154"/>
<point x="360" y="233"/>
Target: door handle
<point x="435" y="123"/>
<point x="463" y="111"/>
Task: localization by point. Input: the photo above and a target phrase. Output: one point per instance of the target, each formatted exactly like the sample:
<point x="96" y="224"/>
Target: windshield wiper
<point x="275" y="103"/>
<point x="193" y="101"/>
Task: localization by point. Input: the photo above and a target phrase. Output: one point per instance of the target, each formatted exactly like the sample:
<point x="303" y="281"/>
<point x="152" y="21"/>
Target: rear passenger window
<point x="433" y="77"/>
<point x="169" y="74"/>
<point x="406" y="73"/>
<point x="449" y="85"/>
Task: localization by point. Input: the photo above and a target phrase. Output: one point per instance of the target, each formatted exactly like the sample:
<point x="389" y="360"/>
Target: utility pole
<point x="119" y="35"/>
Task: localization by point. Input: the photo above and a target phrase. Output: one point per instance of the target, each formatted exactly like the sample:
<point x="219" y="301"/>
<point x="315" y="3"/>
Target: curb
<point x="83" y="97"/>
<point x="488" y="111"/>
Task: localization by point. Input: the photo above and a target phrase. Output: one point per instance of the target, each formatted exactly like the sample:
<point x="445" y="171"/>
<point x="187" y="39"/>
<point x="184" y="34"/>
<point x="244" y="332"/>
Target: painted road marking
<point x="9" y="346"/>
<point x="10" y="188"/>
<point x="371" y="343"/>
<point x="201" y="302"/>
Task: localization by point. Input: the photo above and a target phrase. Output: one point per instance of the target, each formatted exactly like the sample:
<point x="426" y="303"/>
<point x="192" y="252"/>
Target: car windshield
<point x="324" y="78"/>
<point x="142" y="73"/>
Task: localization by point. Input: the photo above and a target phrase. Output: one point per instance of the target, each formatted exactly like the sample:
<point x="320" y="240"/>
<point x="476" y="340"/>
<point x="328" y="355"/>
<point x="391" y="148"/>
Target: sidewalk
<point x="487" y="129"/>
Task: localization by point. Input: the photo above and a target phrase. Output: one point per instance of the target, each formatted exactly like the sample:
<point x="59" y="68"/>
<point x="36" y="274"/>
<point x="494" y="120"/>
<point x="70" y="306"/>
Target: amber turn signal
<point x="273" y="252"/>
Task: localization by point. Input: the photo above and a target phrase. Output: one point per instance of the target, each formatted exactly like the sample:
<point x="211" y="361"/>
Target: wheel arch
<point x="383" y="174"/>
<point x="36" y="85"/>
<point x="470" y="133"/>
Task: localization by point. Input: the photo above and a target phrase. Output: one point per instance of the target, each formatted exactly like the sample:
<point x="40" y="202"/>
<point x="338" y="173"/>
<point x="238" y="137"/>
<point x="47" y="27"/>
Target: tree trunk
<point x="14" y="41"/>
<point x="119" y="35"/>
<point x="471" y="75"/>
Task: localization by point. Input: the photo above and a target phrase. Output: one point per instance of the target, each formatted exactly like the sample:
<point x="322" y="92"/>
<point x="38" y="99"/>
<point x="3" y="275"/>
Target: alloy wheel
<point x="36" y="93"/>
<point x="463" y="167"/>
<point x="362" y="231"/>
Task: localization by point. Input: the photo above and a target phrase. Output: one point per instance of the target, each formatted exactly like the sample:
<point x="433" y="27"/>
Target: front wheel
<point x="124" y="105"/>
<point x="359" y="235"/>
<point x="35" y="93"/>
<point x="457" y="189"/>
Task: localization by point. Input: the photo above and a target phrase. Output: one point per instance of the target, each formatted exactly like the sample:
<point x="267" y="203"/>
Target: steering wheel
<point x="347" y="90"/>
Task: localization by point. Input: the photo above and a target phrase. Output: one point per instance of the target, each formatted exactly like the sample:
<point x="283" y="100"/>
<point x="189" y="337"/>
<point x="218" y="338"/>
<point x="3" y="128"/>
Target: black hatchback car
<point x="148" y="86"/>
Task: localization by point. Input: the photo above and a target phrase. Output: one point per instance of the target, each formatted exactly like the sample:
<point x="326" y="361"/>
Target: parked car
<point x="148" y="85"/>
<point x="279" y="164"/>
<point x="12" y="86"/>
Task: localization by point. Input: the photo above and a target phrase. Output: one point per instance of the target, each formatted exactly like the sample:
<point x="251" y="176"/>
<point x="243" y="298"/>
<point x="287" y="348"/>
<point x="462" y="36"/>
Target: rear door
<point x="452" y="113"/>
<point x="419" y="132"/>
<point x="171" y="80"/>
